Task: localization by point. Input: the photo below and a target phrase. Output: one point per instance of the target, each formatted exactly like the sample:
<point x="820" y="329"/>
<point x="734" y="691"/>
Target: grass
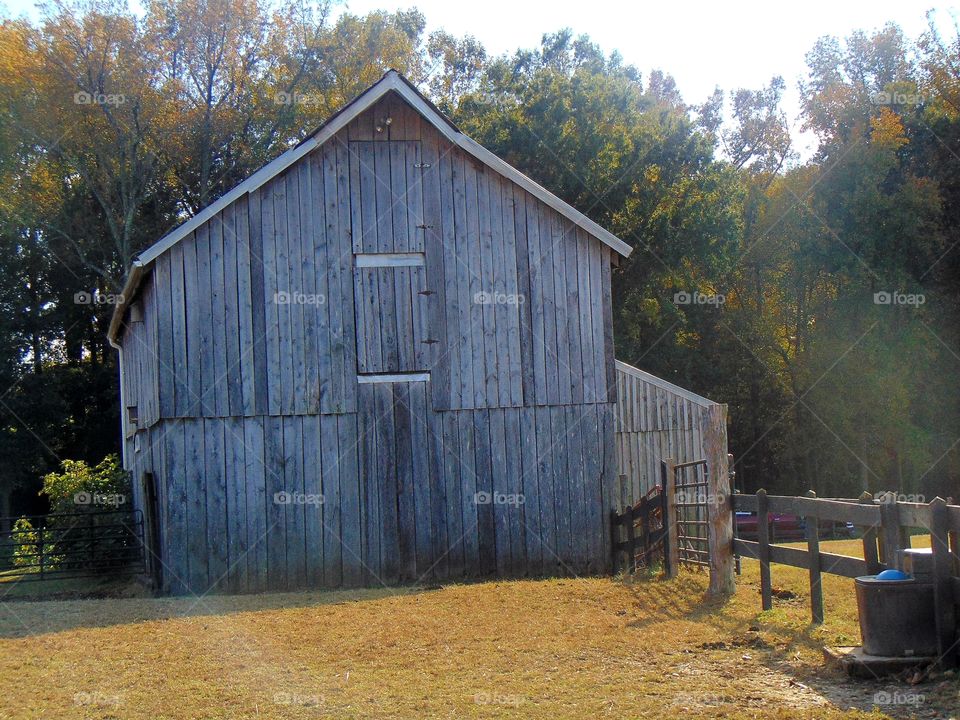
<point x="562" y="648"/>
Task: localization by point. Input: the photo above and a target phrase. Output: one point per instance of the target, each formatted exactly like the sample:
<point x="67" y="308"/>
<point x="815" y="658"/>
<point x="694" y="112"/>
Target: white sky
<point x="702" y="44"/>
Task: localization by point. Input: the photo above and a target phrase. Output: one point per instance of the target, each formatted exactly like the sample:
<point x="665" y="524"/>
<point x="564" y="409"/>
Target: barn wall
<point x="223" y="528"/>
<point x="653" y="420"/>
<point x="245" y="397"/>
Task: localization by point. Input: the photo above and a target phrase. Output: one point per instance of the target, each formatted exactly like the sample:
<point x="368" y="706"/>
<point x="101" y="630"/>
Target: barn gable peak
<point x="392" y="81"/>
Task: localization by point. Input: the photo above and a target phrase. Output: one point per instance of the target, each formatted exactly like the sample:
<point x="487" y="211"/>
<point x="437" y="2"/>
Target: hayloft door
<point x="390" y="283"/>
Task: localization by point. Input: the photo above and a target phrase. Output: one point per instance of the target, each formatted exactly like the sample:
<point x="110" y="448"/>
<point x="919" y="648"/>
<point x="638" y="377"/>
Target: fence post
<point x="890" y="530"/>
<point x="671" y="550"/>
<point x="870" y="540"/>
<point x="628" y="517"/>
<point x="813" y="559"/>
<point x="763" y="537"/>
<point x="40" y="549"/>
<point x="719" y="503"/>
<point x="943" y="579"/>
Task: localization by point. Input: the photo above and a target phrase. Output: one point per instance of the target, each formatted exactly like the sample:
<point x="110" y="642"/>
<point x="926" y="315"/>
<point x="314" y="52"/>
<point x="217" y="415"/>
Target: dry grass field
<point x="563" y="648"/>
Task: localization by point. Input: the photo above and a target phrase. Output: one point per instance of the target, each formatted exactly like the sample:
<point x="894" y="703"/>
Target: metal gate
<point x="84" y="544"/>
<point x="691" y="495"/>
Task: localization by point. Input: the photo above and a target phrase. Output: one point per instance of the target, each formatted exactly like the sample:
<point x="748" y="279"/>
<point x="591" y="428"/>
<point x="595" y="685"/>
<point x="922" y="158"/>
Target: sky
<point x="703" y="45"/>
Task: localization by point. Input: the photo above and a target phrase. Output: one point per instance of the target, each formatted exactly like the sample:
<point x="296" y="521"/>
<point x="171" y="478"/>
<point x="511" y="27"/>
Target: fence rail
<point x="886" y="525"/>
<point x="75" y="545"/>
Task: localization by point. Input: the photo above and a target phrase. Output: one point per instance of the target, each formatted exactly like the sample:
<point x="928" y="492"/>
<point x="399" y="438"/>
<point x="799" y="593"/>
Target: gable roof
<point x="391" y="81"/>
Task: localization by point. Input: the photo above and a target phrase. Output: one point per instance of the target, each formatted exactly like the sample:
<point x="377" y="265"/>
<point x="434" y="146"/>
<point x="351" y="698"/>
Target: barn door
<point x="390" y="283"/>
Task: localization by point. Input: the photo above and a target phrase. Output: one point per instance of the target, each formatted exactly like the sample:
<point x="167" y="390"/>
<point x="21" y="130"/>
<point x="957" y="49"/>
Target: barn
<point x="385" y="357"/>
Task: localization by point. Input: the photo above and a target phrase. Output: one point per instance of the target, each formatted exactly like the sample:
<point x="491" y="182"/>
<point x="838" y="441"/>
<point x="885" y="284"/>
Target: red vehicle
<point x="783" y="527"/>
<point x="789" y="528"/>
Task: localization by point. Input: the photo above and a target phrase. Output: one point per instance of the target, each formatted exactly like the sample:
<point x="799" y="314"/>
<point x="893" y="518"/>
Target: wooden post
<point x="890" y="531"/>
<point x="946" y="614"/>
<point x="719" y="515"/>
<point x="615" y="540"/>
<point x="813" y="553"/>
<point x="631" y="539"/>
<point x="763" y="537"/>
<point x="870" y="540"/>
<point x="40" y="548"/>
<point x="645" y="530"/>
<point x="671" y="548"/>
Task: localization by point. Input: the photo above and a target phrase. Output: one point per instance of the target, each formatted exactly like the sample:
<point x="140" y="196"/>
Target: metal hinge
<point x="424" y="227"/>
<point x="427" y="292"/>
<point x="429" y="341"/>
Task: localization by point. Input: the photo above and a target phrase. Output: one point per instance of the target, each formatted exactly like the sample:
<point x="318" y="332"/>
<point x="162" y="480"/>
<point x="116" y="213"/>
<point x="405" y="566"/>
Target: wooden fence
<point x="654" y="420"/>
<point x="886" y="526"/>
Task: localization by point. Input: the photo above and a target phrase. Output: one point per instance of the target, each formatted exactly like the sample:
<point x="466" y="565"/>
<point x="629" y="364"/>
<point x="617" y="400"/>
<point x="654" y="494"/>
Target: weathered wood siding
<point x="653" y="420"/>
<point x="384" y="250"/>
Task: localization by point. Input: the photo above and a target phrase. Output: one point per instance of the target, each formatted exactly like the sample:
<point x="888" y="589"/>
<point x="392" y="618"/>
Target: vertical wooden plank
<point x="348" y="443"/>
<point x="370" y="477"/>
<point x="545" y="471"/>
<point x="231" y="312"/>
<point x="288" y="281"/>
<point x="275" y="508"/>
<point x="567" y="358"/>
<point x="395" y="178"/>
<point x="388" y="473"/>
<point x="483" y="498"/>
<point x="606" y="294"/>
<point x="813" y="560"/>
<point x="387" y="313"/>
<point x="247" y="341"/>
<point x="484" y="297"/>
<point x="552" y="362"/>
<point x="182" y="369"/>
<point x="383" y="197"/>
<point x="525" y="272"/>
<point x="308" y="393"/>
<point x="469" y="488"/>
<point x="585" y="326"/>
<point x="257" y="505"/>
<point x="271" y="281"/>
<point x="332" y="468"/>
<point x="198" y="554"/>
<point x="474" y="282"/>
<point x="336" y="193"/>
<point x="434" y="240"/>
<point x="166" y="380"/>
<point x="324" y="252"/>
<point x="451" y="348"/>
<point x="464" y="301"/>
<point x="870" y="554"/>
<point x="220" y="400"/>
<point x="215" y="483"/>
<point x="314" y="501"/>
<point x="421" y="480"/>
<point x="763" y="538"/>
<point x="236" y="491"/>
<point x="258" y="304"/>
<point x="503" y="308"/>
<point x="513" y="442"/>
<point x="208" y="395"/>
<point x="561" y="439"/>
<point x="503" y="508"/>
<point x="511" y="284"/>
<point x="531" y="490"/>
<point x="404" y="497"/>
<point x="293" y="510"/>
<point x="177" y="571"/>
<point x="453" y="486"/>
